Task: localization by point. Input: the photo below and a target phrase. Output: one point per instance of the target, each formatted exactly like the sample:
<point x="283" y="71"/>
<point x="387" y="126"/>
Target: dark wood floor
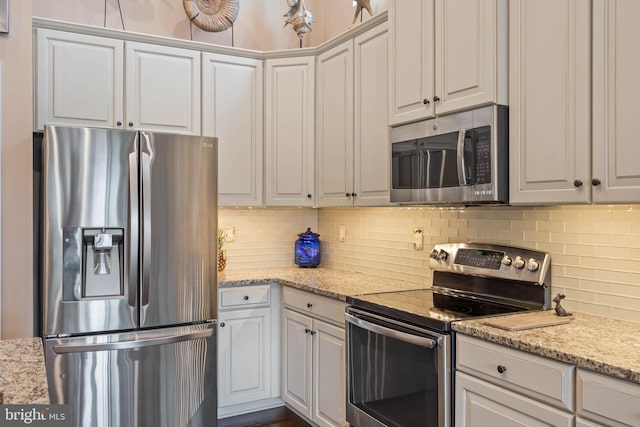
<point x="276" y="417"/>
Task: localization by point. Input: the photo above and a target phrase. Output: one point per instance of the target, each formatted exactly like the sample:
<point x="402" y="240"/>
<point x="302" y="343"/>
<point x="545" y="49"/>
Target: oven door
<point x="397" y="374"/>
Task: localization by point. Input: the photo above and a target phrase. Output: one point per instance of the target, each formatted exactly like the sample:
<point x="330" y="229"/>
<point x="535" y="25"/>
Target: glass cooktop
<point x="428" y="307"/>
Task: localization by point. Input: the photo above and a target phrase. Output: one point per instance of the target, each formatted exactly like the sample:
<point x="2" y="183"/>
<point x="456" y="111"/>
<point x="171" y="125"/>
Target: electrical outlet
<point x="342" y="233"/>
<point x="230" y="233"/>
<point x="417" y="239"/>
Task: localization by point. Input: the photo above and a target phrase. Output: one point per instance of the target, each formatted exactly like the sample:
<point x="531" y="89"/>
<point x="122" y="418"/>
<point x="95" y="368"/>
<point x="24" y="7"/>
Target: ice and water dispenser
<point x="93" y="263"/>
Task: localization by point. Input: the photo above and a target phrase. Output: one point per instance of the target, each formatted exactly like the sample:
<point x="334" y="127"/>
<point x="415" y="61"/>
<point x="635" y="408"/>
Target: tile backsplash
<point x="595" y="250"/>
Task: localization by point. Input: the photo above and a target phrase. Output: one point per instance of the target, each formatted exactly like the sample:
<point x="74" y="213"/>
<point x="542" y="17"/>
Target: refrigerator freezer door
<point x="163" y="377"/>
<point x="179" y="229"/>
<point x="88" y="230"/>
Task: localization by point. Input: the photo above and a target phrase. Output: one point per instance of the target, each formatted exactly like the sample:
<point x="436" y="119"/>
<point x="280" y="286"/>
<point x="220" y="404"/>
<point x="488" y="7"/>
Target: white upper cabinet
<point x="86" y="80"/>
<point x="79" y="80"/>
<point x="446" y="56"/>
<point x="616" y="91"/>
<point x="549" y="105"/>
<point x="232" y="111"/>
<point x="289" y="131"/>
<point x="334" y="126"/>
<point x="162" y="88"/>
<point x="352" y="137"/>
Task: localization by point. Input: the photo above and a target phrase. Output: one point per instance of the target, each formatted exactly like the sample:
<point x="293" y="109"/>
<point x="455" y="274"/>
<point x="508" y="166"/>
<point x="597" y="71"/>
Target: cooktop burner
<point x="429" y="307"/>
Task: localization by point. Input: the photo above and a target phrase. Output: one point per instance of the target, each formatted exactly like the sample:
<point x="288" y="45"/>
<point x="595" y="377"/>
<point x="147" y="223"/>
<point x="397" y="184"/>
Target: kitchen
<point x="595" y="248"/>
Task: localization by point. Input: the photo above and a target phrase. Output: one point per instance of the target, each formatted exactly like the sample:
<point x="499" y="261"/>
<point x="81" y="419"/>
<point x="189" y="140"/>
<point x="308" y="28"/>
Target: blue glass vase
<point x="307" y="249"/>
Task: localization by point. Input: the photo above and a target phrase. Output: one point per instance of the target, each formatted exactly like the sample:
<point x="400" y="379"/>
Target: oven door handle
<point x="392" y="333"/>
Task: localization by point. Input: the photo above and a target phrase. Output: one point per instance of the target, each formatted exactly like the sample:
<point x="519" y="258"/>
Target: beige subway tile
<point x="537" y="214"/>
<point x="595" y="309"/>
<point x="626" y="265"/>
<point x="595" y="285"/>
<point x="511" y="214"/>
<point x="613" y="276"/>
<point x="626" y="315"/>
<point x="618" y="301"/>
<point x="596" y="239"/>
<point x="550" y="226"/>
<point x="594" y="214"/>
<point x="567" y="260"/>
<point x="564" y="237"/>
<point x="579" y="272"/>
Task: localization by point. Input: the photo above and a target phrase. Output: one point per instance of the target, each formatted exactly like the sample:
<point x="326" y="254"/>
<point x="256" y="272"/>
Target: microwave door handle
<point x="462" y="171"/>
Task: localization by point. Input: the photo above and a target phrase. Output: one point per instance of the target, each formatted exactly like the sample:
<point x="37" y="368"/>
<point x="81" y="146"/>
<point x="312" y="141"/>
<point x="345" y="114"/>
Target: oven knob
<point x="533" y="264"/>
<point x="434" y="254"/>
<point x="518" y="263"/>
<point x="506" y="260"/>
<point x="443" y="255"/>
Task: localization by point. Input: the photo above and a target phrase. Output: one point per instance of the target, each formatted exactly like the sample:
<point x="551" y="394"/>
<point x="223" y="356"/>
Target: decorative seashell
<point x="299" y="17"/>
<point x="362" y="4"/>
<point x="212" y="15"/>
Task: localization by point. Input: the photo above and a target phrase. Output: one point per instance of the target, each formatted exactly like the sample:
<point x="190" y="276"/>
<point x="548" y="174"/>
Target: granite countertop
<point x="23" y="379"/>
<point x="606" y="346"/>
<point x="338" y="284"/>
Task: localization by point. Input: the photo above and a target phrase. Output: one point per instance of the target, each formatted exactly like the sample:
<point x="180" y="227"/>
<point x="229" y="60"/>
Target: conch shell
<point x="212" y="15"/>
<point x="362" y="4"/>
<point x="299" y="17"/>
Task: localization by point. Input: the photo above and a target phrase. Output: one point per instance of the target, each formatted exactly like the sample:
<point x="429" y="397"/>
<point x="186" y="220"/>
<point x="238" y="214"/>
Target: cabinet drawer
<point x="606" y="400"/>
<point x="538" y="377"/>
<point x="248" y="296"/>
<point x="315" y="305"/>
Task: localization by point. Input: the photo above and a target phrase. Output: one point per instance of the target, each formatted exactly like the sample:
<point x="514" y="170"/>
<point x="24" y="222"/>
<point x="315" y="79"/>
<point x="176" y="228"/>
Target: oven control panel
<point x="488" y="260"/>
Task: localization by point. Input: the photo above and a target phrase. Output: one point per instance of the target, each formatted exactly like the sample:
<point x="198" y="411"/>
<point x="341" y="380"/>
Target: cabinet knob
<point x="425" y="101"/>
<point x="246" y="297"/>
<point x="595" y="182"/>
<point x="436" y="98"/>
<point x="222" y="324"/>
<point x="308" y="196"/>
<point x="347" y="194"/>
<point x="577" y="183"/>
<point x="131" y="124"/>
<point x="502" y="369"/>
<point x="309" y="305"/>
<point x="312" y="332"/>
<point x="354" y="194"/>
<point x="119" y="123"/>
<point x="306" y="330"/>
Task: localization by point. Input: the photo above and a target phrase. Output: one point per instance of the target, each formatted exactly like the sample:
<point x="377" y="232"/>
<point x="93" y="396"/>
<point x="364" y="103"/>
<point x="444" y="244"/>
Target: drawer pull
<point x="502" y="369"/>
<point x="246" y="298"/>
<point x="309" y="305"/>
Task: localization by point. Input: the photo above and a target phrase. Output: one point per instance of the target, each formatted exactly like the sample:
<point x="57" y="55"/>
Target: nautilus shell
<point x="362" y="4"/>
<point x="212" y="15"/>
<point x="299" y="17"/>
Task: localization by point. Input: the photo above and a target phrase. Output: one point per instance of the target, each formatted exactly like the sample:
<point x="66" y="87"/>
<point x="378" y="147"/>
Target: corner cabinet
<point x="232" y="111"/>
<point x="82" y="80"/>
<point x="446" y="56"/>
<point x="573" y="141"/>
<point x="289" y="131"/>
<point x="248" y="359"/>
<point x="313" y="357"/>
<point x="352" y="139"/>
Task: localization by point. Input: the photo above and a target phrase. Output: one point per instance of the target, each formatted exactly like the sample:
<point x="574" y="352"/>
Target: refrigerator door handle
<point x="134" y="228"/>
<point x="122" y="345"/>
<point x="146" y="222"/>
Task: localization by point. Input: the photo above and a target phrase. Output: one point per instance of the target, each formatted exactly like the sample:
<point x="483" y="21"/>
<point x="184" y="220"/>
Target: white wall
<point x="17" y="236"/>
<point x="259" y="25"/>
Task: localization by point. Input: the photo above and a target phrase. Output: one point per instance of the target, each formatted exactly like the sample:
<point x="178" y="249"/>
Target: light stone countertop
<point x="606" y="346"/>
<point x="337" y="284"/>
<point x="23" y="378"/>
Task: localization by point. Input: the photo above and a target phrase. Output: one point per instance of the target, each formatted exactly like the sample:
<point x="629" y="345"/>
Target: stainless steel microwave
<point x="459" y="159"/>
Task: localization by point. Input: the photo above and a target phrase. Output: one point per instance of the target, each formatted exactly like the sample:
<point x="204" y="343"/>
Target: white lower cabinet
<point x="606" y="401"/>
<point x="313" y="357"/>
<point x="248" y="354"/>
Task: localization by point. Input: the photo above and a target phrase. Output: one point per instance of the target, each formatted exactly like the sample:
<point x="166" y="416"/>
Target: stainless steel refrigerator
<point x="127" y="249"/>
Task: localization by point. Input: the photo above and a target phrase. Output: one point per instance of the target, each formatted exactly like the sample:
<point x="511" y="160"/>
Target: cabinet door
<point x="289" y="131"/>
<point x="470" y="37"/>
<point x="232" y="111"/>
<point x="296" y="361"/>
<point x="244" y="351"/>
<point x="79" y="80"/>
<point x="616" y="90"/>
<point x="481" y="404"/>
<point x="549" y="100"/>
<point x="334" y="126"/>
<point x="163" y="88"/>
<point x="411" y="65"/>
<point x="329" y="376"/>
<point x="371" y="181"/>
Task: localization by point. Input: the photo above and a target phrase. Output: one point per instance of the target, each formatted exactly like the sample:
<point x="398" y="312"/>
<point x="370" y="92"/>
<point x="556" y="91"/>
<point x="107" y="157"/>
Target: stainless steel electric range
<point x="399" y="344"/>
